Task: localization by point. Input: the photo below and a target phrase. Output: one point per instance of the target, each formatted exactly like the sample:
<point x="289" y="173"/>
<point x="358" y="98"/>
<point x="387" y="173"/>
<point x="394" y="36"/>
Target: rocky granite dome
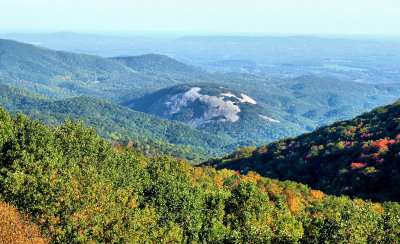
<point x="217" y="110"/>
<point x="222" y="108"/>
<point x="199" y="104"/>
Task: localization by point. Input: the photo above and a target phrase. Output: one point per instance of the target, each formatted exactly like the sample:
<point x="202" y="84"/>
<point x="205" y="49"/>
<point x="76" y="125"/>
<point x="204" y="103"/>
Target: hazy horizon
<point x="178" y="34"/>
<point x="253" y="17"/>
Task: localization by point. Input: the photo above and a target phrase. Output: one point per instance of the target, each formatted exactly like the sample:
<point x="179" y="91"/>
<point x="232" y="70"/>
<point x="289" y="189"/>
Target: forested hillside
<point x="307" y="101"/>
<point x="358" y="157"/>
<point x="78" y="188"/>
<point x="163" y="66"/>
<point x="120" y="124"/>
<point x="61" y="74"/>
<point x="299" y="104"/>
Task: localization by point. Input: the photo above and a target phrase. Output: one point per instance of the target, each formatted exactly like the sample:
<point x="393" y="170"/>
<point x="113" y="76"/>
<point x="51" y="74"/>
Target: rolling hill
<point x="358" y="157"/>
<point x="361" y="59"/>
<point x="60" y="74"/>
<point x="301" y="104"/>
<point x="118" y="123"/>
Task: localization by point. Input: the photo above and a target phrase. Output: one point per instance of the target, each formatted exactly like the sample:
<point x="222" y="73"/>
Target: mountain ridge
<point x="357" y="157"/>
<point x="305" y="102"/>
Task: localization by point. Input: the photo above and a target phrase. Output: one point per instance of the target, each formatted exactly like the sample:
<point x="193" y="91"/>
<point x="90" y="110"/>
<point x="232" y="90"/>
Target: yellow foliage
<point x="291" y="201"/>
<point x="377" y="207"/>
<point x="133" y="203"/>
<point x="274" y="190"/>
<point x="16" y="229"/>
<point x="316" y="195"/>
<point x="252" y="176"/>
<point x="225" y="173"/>
<point x="219" y="180"/>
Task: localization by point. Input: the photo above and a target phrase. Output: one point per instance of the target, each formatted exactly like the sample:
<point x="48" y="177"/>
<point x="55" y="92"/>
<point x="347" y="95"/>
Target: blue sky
<point x="355" y="17"/>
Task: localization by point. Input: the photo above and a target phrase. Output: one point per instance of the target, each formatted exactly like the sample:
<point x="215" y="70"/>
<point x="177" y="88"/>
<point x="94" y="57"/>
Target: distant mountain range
<point x="361" y="59"/>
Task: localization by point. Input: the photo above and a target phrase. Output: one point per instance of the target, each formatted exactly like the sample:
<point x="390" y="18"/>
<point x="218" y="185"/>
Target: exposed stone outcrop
<point x="207" y="108"/>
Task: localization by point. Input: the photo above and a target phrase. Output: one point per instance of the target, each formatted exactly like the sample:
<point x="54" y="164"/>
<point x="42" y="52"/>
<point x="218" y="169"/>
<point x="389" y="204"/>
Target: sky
<point x="348" y="17"/>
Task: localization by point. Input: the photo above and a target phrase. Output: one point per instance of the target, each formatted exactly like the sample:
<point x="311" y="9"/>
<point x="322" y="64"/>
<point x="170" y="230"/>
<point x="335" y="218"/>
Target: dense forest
<point x="77" y="187"/>
<point x="151" y="134"/>
<point x="358" y="157"/>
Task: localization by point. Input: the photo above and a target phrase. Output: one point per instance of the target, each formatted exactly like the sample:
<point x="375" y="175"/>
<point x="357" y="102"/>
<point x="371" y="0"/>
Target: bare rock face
<point x="203" y="108"/>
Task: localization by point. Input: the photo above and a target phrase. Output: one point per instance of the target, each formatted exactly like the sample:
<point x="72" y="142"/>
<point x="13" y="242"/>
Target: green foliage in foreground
<point x="358" y="157"/>
<point x="79" y="189"/>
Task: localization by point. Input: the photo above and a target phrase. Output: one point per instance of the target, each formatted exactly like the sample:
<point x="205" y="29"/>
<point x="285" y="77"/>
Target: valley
<point x="300" y="104"/>
<point x="189" y="122"/>
<point x="144" y="149"/>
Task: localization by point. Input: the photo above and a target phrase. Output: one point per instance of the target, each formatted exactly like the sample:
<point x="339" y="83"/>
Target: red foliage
<point x="377" y="145"/>
<point x="265" y="150"/>
<point x="365" y="135"/>
<point x="354" y="166"/>
<point x="381" y="144"/>
<point x="272" y="202"/>
<point x="237" y="172"/>
<point x="238" y="182"/>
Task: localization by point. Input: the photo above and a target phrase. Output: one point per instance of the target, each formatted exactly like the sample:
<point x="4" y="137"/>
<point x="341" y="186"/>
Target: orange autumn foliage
<point x="291" y="201"/>
<point x="316" y="195"/>
<point x="16" y="229"/>
<point x="354" y="166"/>
<point x="252" y="176"/>
<point x="219" y="180"/>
